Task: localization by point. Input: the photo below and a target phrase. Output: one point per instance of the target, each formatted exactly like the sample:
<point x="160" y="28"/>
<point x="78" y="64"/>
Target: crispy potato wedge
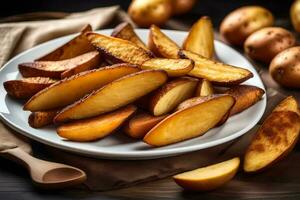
<point x="62" y="68"/>
<point x="116" y="50"/>
<point x="204" y="88"/>
<point x="216" y="72"/>
<point x="210" y="177"/>
<point x="190" y="122"/>
<point x="69" y="90"/>
<point x="95" y="128"/>
<point x="114" y="95"/>
<point x="245" y="96"/>
<point x="200" y="39"/>
<point x="275" y="138"/>
<point x="41" y="119"/>
<point x="161" y="45"/>
<point x="174" y="67"/>
<point x="75" y="47"/>
<point x="27" y="87"/>
<point x="171" y="95"/>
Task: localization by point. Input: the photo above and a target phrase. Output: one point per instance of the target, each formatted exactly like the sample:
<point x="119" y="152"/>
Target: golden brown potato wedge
<point x="95" y="128"/>
<point x="200" y="118"/>
<point x="41" y="119"/>
<point x="161" y="45"/>
<point x="27" y="87"/>
<point x="216" y="72"/>
<point x="204" y="88"/>
<point x="75" y="47"/>
<point x="62" y="68"/>
<point x="114" y="95"/>
<point x="275" y="138"/>
<point x="200" y="39"/>
<point x="69" y="90"/>
<point x="174" y="67"/>
<point x="171" y="95"/>
<point x="116" y="50"/>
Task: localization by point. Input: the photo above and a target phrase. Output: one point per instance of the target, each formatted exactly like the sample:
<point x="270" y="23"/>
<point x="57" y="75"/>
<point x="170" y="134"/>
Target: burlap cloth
<point x="18" y="34"/>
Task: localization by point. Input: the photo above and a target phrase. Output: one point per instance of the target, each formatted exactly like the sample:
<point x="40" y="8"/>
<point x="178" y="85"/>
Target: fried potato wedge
<point x="210" y="177"/>
<point x="275" y="138"/>
<point x="190" y="122"/>
<point x="174" y="67"/>
<point x="41" y="119"/>
<point x="204" y="88"/>
<point x="161" y="45"/>
<point x="171" y="95"/>
<point x="114" y="95"/>
<point x="27" y="87"/>
<point x="216" y="72"/>
<point x="200" y="39"/>
<point x="62" y="68"/>
<point x="69" y="90"/>
<point x="95" y="128"/>
<point x="245" y="96"/>
<point x="116" y="50"/>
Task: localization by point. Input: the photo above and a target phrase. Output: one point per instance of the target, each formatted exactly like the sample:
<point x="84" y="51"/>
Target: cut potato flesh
<point x="204" y="88"/>
<point x="41" y="119"/>
<point x="114" y="95"/>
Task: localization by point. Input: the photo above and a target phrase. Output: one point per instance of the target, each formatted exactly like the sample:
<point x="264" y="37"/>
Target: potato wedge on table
<point x="69" y="90"/>
<point x="62" y="68"/>
<point x="216" y="72"/>
<point x="190" y="122"/>
<point x="114" y="95"/>
<point x="204" y="88"/>
<point x="27" y="87"/>
<point x="42" y="118"/>
<point x="116" y="50"/>
<point x="174" y="67"/>
<point x="200" y="39"/>
<point x="161" y="45"/>
<point x="275" y="138"/>
<point x="95" y="128"/>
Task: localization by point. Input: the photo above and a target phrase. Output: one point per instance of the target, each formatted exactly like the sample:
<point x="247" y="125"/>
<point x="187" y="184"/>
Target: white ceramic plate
<point x="118" y="145"/>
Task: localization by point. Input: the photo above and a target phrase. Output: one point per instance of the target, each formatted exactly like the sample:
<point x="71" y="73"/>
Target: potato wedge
<point x="210" y="177"/>
<point x="216" y="72"/>
<point x="171" y="95"/>
<point x="27" y="87"/>
<point x="174" y="67"/>
<point x="41" y="119"/>
<point x="75" y="47"/>
<point x="204" y="88"/>
<point x="161" y="45"/>
<point x="275" y="138"/>
<point x="69" y="90"/>
<point x="116" y="50"/>
<point x="200" y="39"/>
<point x="95" y="128"/>
<point x="114" y="95"/>
<point x="62" y="68"/>
<point x="191" y="122"/>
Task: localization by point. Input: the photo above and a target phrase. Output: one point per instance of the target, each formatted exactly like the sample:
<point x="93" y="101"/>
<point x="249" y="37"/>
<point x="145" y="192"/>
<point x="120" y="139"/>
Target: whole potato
<point x="145" y="13"/>
<point x="182" y="6"/>
<point x="240" y="23"/>
<point x="264" y="44"/>
<point x="295" y="15"/>
<point x="285" y="67"/>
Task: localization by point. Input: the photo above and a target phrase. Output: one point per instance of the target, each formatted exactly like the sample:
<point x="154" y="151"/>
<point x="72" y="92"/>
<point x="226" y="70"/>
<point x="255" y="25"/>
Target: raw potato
<point x="114" y="95"/>
<point x="200" y="39"/>
<point x="210" y="177"/>
<point x="191" y="122"/>
<point x="182" y="6"/>
<point x="41" y="119"/>
<point x="75" y="47"/>
<point x="216" y="72"/>
<point x="117" y="50"/>
<point x="264" y="44"/>
<point x="69" y="90"/>
<point x="95" y="128"/>
<point x="62" y="68"/>
<point x="240" y="23"/>
<point x="171" y="95"/>
<point x="294" y="14"/>
<point x="174" y="67"/>
<point x="161" y="45"/>
<point x="26" y="87"/>
<point x="275" y="138"/>
<point x="204" y="88"/>
<point x="285" y="68"/>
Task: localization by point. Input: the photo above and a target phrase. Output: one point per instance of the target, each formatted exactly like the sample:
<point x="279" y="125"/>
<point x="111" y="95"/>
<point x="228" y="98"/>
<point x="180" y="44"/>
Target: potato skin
<point x="295" y="17"/>
<point x="182" y="6"/>
<point x="285" y="67"/>
<point x="264" y="44"/>
<point x="240" y="23"/>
